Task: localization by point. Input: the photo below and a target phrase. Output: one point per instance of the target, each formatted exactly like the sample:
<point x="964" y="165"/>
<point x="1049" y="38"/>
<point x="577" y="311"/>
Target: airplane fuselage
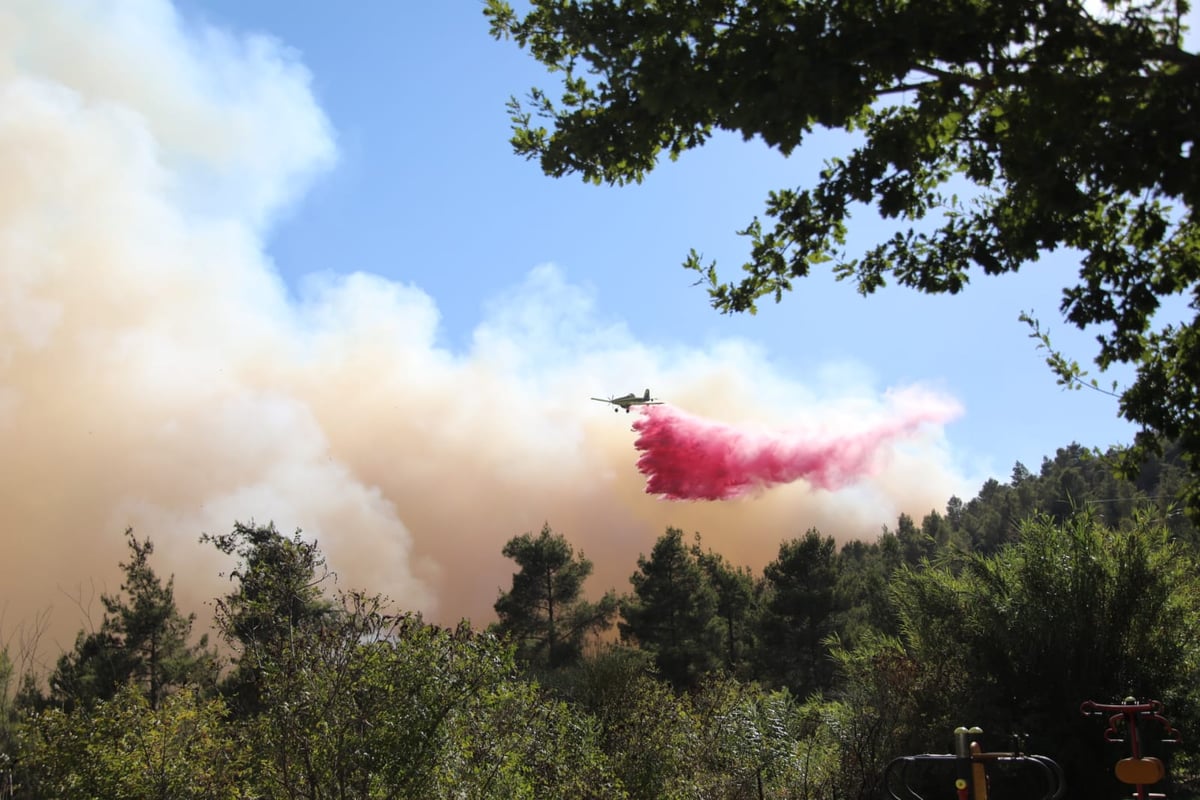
<point x="628" y="401"/>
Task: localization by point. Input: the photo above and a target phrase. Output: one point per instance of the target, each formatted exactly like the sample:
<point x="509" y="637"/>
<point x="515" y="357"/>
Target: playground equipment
<point x="1137" y="769"/>
<point x="972" y="769"/>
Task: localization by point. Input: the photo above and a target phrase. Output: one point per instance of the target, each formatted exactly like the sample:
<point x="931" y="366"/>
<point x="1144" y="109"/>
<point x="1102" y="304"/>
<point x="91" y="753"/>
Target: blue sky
<point x="276" y="261"/>
<point x="426" y="190"/>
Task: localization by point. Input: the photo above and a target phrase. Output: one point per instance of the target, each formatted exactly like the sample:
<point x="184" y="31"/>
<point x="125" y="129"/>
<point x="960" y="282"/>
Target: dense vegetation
<point x="1006" y="611"/>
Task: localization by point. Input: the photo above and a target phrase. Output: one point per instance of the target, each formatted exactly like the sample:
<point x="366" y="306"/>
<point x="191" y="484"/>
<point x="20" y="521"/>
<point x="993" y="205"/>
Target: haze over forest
<point x="156" y="373"/>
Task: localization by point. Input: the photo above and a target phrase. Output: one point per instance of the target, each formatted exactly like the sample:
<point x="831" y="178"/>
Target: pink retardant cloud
<point x="685" y="457"/>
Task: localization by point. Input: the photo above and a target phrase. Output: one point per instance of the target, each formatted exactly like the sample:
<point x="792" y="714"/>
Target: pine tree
<point x="543" y="612"/>
<point x="673" y="612"/>
<point x="143" y="639"/>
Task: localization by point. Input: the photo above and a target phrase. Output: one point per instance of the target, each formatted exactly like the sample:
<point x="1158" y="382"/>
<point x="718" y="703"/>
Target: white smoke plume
<point x="156" y="372"/>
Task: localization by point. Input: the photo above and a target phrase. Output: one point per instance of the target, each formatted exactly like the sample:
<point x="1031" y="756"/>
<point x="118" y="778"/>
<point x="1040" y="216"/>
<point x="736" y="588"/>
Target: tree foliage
<point x="544" y="611"/>
<point x="124" y="748"/>
<point x="8" y="721"/>
<point x="798" y="614"/>
<point x="368" y="704"/>
<point x="142" y="639"/>
<point x="881" y="707"/>
<point x="1070" y="611"/>
<point x="673" y="611"/>
<point x="278" y="585"/>
<point x="754" y="743"/>
<point x="989" y="133"/>
<point x="345" y="697"/>
<point x="278" y="596"/>
<point x="978" y="616"/>
<point x="738" y="597"/>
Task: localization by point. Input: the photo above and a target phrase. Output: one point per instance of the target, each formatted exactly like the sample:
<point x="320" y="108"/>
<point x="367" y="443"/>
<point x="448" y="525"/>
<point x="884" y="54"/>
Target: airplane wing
<point x="602" y="399"/>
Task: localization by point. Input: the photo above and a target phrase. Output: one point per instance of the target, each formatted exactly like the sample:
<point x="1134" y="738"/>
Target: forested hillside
<point x="700" y="679"/>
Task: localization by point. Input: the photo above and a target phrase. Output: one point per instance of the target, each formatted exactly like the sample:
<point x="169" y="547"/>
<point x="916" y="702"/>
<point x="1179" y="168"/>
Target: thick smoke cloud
<point x="155" y="371"/>
<point x="685" y="457"/>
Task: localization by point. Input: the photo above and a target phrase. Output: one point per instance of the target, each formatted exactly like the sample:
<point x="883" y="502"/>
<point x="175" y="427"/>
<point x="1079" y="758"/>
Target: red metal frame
<point x="1138" y="769"/>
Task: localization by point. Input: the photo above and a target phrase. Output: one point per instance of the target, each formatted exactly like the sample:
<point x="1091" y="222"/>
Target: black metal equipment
<point x="973" y="771"/>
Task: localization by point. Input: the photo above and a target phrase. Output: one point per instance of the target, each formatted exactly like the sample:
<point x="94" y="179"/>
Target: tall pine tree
<point x="673" y="611"/>
<point x="143" y="639"/>
<point x="544" y="612"/>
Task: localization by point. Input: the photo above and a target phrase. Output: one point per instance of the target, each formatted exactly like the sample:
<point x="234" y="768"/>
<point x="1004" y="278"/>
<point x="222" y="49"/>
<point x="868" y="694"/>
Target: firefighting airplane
<point x="627" y="401"/>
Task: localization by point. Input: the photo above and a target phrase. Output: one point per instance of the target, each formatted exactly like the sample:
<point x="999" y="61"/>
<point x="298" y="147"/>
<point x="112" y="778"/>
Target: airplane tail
<point x="647" y="395"/>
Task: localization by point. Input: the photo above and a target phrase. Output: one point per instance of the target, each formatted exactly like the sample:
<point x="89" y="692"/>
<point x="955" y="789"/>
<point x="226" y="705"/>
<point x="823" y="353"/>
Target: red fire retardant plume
<point x="688" y="458"/>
